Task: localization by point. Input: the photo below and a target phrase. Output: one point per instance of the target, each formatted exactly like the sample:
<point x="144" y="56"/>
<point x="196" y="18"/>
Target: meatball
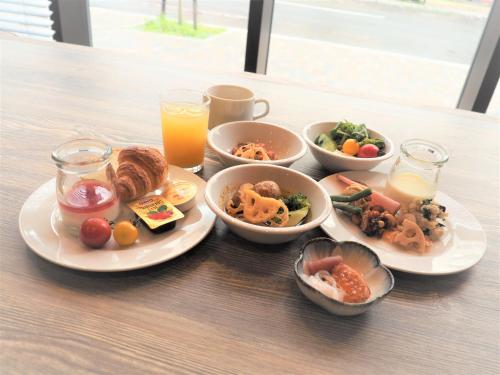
<point x="268" y="189"/>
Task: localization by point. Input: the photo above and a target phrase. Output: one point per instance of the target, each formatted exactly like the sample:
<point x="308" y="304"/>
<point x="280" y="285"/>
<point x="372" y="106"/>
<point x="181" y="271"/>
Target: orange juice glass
<point x="184" y="120"/>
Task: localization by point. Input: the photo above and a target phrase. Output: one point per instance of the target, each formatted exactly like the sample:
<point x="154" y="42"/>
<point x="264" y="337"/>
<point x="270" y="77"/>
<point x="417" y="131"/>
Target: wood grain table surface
<point x="227" y="306"/>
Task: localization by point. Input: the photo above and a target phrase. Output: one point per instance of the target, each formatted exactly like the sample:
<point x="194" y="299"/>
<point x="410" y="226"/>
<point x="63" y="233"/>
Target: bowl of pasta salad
<point x="254" y="142"/>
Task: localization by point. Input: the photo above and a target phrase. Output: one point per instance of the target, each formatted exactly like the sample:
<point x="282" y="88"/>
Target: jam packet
<point x="157" y="213"/>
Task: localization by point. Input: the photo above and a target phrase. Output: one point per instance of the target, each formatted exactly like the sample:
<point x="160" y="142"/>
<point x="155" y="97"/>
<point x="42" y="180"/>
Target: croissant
<point x="140" y="170"/>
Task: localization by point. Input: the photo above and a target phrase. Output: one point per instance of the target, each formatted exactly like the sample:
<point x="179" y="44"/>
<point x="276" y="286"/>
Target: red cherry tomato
<point x="368" y="151"/>
<point x="95" y="232"/>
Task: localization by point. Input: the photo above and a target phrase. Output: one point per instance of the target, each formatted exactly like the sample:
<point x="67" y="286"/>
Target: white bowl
<point x="288" y="146"/>
<point x="338" y="161"/>
<point x="225" y="183"/>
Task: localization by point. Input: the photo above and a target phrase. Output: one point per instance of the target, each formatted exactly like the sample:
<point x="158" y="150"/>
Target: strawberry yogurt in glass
<point x="85" y="183"/>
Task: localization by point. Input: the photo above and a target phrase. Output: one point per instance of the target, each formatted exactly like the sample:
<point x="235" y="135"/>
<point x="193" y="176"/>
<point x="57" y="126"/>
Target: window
<point x="29" y="18"/>
<point x="416" y="52"/>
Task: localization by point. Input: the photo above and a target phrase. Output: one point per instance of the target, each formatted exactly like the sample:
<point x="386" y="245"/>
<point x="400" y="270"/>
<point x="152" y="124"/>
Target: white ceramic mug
<point x="233" y="103"/>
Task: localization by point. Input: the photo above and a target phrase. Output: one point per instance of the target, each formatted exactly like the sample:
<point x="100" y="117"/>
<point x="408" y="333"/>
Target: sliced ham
<point x="377" y="199"/>
<point x="313" y="266"/>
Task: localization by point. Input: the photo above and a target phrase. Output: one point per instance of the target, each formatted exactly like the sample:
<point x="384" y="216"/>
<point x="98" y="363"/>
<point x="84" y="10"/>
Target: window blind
<point x="29" y="18"/>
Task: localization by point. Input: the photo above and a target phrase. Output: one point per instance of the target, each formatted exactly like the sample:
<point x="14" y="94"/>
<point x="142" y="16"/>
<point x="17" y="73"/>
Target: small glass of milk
<point x="415" y="174"/>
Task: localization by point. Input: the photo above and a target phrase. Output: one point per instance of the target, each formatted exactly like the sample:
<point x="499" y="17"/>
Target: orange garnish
<point x="351" y="282"/>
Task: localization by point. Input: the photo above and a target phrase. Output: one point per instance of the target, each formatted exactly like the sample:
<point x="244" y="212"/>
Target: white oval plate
<point x="461" y="247"/>
<point x="42" y="231"/>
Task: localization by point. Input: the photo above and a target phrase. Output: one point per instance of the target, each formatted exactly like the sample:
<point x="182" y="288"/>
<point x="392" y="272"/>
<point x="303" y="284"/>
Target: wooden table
<point x="226" y="306"/>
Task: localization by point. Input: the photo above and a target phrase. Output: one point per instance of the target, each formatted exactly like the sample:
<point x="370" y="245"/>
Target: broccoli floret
<point x="296" y="202"/>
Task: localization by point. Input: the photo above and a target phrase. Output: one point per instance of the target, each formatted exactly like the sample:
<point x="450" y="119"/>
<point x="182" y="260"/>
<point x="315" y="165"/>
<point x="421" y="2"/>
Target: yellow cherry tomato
<point x="350" y="147"/>
<point x="125" y="233"/>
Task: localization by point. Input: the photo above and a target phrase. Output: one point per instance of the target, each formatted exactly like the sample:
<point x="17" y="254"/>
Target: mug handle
<point x="266" y="110"/>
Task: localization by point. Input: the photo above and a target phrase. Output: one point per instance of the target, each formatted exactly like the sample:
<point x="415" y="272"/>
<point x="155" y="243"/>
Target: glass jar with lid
<point x="85" y="183"/>
<point x="415" y="174"/>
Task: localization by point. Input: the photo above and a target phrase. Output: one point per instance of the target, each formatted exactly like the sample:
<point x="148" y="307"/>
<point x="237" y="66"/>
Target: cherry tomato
<point x="125" y="233"/>
<point x="368" y="151"/>
<point x="95" y="232"/>
<point x="350" y="147"/>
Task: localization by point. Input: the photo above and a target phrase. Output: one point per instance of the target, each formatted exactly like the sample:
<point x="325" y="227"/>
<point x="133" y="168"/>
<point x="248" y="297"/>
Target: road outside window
<point x="415" y="52"/>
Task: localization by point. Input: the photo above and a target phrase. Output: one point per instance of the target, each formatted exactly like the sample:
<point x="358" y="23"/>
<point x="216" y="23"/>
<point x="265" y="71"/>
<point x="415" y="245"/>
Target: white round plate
<point x="41" y="229"/>
<point x="460" y="248"/>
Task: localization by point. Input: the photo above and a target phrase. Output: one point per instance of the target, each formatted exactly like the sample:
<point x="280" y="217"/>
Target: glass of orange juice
<point x="184" y="122"/>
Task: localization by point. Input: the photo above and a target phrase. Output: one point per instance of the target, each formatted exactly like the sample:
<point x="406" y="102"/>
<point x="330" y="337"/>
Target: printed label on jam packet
<point x="155" y="211"/>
